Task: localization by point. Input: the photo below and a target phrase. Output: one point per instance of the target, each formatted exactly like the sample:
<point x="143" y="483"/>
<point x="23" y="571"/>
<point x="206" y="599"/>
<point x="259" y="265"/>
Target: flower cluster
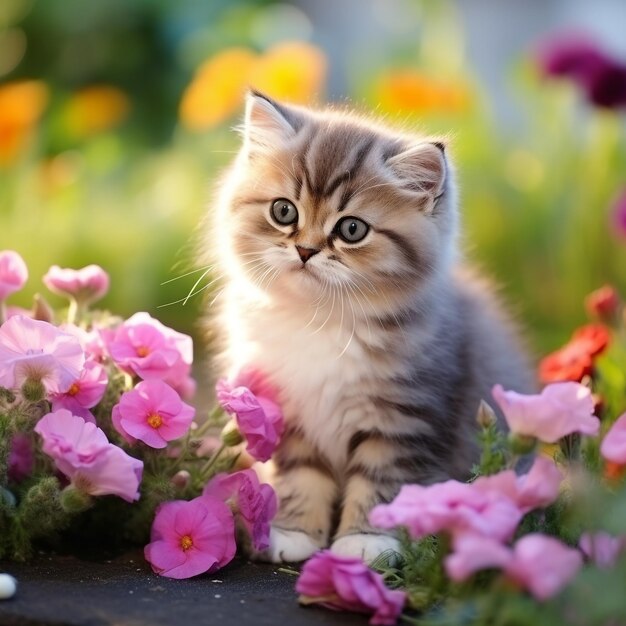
<point x="95" y="406"/>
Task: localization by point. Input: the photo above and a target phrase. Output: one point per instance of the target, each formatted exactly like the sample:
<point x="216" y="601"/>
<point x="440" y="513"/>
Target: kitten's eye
<point x="284" y="212"/>
<point x="351" y="229"/>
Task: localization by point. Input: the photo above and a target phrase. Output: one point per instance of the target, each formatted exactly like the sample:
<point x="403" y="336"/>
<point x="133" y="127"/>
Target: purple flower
<point x="153" y="413"/>
<point x="348" y="584"/>
<point x="144" y="347"/>
<point x="13" y="273"/>
<point x="82" y="452"/>
<point x="259" y="419"/>
<point x="578" y="58"/>
<point x="85" y="285"/>
<point x="602" y="549"/>
<point x="190" y="538"/>
<point x="40" y="351"/>
<point x="619" y="214"/>
<point x="21" y="458"/>
<point x="254" y="503"/>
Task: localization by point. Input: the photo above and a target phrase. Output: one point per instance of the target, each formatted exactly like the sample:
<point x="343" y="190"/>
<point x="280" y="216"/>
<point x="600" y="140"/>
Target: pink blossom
<point x="12" y="311"/>
<point x="90" y="340"/>
<point x="38" y="350"/>
<point x="144" y="347"/>
<point x="84" y="393"/>
<point x="541" y="564"/>
<point x="348" y="584"/>
<point x="561" y="409"/>
<point x="82" y="452"/>
<point x="13" y="273"/>
<point x="602" y="549"/>
<point x="21" y="458"/>
<point x="613" y="446"/>
<point x="259" y="419"/>
<point x="85" y="285"/>
<point x="153" y="413"/>
<point x="190" y="538"/>
<point x="449" y="506"/>
<point x="254" y="503"/>
<point x="537" y="489"/>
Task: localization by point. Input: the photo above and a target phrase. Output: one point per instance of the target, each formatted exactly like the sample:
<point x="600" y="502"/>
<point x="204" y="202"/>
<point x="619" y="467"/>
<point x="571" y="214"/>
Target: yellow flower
<point x="95" y="109"/>
<point x="215" y="92"/>
<point x="410" y="91"/>
<point x="21" y="106"/>
<point x="293" y="71"/>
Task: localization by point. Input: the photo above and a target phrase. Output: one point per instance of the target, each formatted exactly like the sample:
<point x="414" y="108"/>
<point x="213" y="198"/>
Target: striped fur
<point x="381" y="349"/>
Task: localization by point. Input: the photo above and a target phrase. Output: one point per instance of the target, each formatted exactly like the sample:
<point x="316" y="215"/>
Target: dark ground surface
<point x="67" y="591"/>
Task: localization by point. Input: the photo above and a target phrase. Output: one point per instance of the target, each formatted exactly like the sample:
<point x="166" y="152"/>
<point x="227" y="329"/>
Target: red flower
<point x="574" y="360"/>
<point x="603" y="303"/>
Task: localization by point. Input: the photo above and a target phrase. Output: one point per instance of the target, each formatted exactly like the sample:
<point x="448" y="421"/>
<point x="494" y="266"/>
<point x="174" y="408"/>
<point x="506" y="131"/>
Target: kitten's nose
<point x="306" y="253"/>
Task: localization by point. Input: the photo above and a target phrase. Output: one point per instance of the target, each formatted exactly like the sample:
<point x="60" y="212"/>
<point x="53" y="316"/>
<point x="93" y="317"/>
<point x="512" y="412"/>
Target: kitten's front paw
<point x="367" y="546"/>
<point x="287" y="546"/>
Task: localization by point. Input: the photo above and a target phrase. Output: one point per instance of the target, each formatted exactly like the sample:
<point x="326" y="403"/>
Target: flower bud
<point x="521" y="444"/>
<point x="231" y="436"/>
<point x="33" y="390"/>
<point x="603" y="303"/>
<point x="42" y="311"/>
<point x="74" y="500"/>
<point x="485" y="416"/>
<point x="181" y="479"/>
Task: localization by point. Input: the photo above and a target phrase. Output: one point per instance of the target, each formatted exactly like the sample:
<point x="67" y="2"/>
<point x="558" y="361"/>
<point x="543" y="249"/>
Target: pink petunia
<point x="40" y="351"/>
<point x="82" y="452"/>
<point x="254" y="503"/>
<point x="144" y="347"/>
<point x="259" y="419"/>
<point x="13" y="273"/>
<point x="561" y="409"/>
<point x="541" y="564"/>
<point x="452" y="507"/>
<point x="348" y="584"/>
<point x="602" y="549"/>
<point x="90" y="340"/>
<point x="191" y="538"/>
<point x="153" y="413"/>
<point x="86" y="285"/>
<point x="84" y="393"/>
<point x="613" y="447"/>
<point x="21" y="457"/>
<point x="537" y="489"/>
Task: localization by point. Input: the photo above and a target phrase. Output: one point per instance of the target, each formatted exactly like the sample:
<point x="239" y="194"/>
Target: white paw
<point x="367" y="547"/>
<point x="288" y="546"/>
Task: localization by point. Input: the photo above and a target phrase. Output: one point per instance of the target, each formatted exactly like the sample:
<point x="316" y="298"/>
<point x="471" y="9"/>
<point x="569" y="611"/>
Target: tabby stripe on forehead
<point x="303" y="175"/>
<point x="359" y="159"/>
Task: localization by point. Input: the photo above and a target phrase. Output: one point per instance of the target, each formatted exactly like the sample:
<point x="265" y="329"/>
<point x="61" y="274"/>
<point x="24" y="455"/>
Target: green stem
<point x="211" y="462"/>
<point x="210" y="421"/>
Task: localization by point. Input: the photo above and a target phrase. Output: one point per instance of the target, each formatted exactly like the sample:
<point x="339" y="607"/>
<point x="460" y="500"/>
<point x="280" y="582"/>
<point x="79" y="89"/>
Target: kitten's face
<point x="328" y="206"/>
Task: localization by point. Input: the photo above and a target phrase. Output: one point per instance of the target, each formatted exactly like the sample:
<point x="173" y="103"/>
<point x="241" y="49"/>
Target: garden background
<point x="116" y="118"/>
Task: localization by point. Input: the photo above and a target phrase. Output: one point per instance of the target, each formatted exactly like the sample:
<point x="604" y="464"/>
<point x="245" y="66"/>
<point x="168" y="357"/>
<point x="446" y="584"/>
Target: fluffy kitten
<point x="336" y="239"/>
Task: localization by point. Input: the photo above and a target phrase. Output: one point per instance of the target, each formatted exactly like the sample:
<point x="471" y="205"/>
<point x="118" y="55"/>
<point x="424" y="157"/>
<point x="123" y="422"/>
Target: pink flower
<point x="561" y="409"/>
<point x="541" y="564"/>
<point x="449" y="506"/>
<point x="190" y="538"/>
<point x="38" y="350"/>
<point x="255" y="504"/>
<point x="613" y="446"/>
<point x="21" y="458"/>
<point x="153" y="413"/>
<point x="259" y="419"/>
<point x="82" y="452"/>
<point x="85" y="285"/>
<point x="602" y="549"/>
<point x="13" y="273"/>
<point x="347" y="584"/>
<point x="84" y="393"/>
<point x="144" y="347"/>
<point x="537" y="489"/>
<point x="90" y="340"/>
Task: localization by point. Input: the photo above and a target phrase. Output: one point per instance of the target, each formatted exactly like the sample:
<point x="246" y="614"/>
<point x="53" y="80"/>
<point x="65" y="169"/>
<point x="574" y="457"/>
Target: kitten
<point x="336" y="239"/>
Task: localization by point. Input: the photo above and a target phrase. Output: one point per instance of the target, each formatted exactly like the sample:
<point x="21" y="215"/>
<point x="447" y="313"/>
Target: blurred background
<point x="116" y="118"/>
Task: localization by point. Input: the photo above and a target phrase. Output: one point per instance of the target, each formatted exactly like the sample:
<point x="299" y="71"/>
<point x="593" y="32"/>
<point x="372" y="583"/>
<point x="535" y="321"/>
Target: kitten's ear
<point x="268" y="123"/>
<point x="421" y="167"/>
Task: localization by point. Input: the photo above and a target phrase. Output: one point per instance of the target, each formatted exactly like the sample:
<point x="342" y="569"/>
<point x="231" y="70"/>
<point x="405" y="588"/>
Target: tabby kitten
<point x="336" y="239"/>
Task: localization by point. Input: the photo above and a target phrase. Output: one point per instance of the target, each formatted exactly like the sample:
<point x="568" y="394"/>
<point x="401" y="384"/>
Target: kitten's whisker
<point x="352" y="333"/>
<point x="184" y="300"/>
<point x="199" y="269"/>
<point x="191" y="293"/>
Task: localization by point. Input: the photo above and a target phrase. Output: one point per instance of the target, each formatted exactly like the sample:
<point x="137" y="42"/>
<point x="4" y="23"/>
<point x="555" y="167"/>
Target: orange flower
<point x="21" y="106"/>
<point x="408" y="90"/>
<point x="95" y="109"/>
<point x="293" y="71"/>
<point x="614" y="472"/>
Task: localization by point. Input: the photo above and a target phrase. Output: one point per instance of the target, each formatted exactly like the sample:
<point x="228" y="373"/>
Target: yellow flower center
<point x="74" y="389"/>
<point x="155" y="420"/>
<point x="186" y="542"/>
<point x="143" y="351"/>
